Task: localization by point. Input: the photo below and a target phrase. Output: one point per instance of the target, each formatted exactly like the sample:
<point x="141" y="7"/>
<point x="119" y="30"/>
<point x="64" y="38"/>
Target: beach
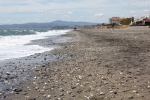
<point x="94" y="64"/>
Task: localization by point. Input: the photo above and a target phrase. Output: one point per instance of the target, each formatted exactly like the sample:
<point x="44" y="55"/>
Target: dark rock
<point x="31" y="99"/>
<point x="8" y="73"/>
<point x="18" y="89"/>
<point x="115" y="92"/>
<point x="73" y="87"/>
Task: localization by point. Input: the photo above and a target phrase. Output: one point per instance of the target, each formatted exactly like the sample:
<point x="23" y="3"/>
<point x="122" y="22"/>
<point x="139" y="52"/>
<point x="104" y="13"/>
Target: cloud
<point x="99" y="15"/>
<point x="132" y="12"/>
<point x="65" y="16"/>
<point x="56" y="12"/>
<point x="8" y="20"/>
<point x="69" y="12"/>
<point x="36" y="20"/>
<point x="71" y="9"/>
<point x="145" y="10"/>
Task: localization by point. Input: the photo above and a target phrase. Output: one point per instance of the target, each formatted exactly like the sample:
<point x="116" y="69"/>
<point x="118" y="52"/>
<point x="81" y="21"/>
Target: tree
<point x="127" y="21"/>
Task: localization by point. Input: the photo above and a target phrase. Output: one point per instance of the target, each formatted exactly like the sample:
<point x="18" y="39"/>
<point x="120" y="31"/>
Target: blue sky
<point x="25" y="11"/>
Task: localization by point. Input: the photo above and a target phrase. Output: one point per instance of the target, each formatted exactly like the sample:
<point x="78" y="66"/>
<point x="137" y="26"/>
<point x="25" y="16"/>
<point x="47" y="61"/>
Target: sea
<point x="13" y="42"/>
<point x="19" y="55"/>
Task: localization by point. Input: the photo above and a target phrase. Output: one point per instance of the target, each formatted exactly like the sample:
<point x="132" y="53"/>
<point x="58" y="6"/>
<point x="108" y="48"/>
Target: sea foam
<point x="13" y="46"/>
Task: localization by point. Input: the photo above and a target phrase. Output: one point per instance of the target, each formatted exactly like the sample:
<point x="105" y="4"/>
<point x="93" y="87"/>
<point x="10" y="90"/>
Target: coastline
<point x="99" y="65"/>
<point x="16" y="71"/>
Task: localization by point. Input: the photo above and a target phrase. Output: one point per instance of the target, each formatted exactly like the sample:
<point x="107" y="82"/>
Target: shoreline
<point x="100" y="65"/>
<point x="16" y="71"/>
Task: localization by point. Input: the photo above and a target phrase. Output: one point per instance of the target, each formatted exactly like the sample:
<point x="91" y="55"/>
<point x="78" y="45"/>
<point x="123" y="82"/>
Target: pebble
<point x="48" y="96"/>
<point x="25" y="93"/>
<point x="131" y="97"/>
<point x="80" y="77"/>
<point x="101" y="93"/>
<point x="61" y="94"/>
<point x="114" y="92"/>
<point x="36" y="88"/>
<point x="31" y="99"/>
<point x="17" y="89"/>
<point x="73" y="87"/>
<point x="134" y="91"/>
<point x="8" y="73"/>
<point x="44" y="95"/>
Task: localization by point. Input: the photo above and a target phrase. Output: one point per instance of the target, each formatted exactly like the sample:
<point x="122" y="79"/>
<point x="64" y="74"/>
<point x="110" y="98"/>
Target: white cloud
<point x="65" y="16"/>
<point x="145" y="10"/>
<point x="56" y="12"/>
<point x="69" y="12"/>
<point x="99" y="15"/>
<point x="8" y="20"/>
<point x="71" y="9"/>
<point x="132" y="12"/>
<point x="36" y="20"/>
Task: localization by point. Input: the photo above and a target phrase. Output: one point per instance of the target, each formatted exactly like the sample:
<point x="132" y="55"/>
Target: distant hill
<point x="57" y="23"/>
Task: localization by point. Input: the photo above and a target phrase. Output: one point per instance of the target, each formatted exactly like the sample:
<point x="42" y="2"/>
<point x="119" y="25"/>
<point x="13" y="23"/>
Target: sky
<point x="41" y="11"/>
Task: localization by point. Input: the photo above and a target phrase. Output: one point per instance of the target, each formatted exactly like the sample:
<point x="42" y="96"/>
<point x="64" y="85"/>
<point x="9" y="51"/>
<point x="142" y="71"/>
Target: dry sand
<point x="101" y="64"/>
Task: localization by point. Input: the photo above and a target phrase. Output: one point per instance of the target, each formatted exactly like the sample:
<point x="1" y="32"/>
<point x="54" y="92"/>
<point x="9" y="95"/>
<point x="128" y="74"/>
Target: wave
<point x="14" y="46"/>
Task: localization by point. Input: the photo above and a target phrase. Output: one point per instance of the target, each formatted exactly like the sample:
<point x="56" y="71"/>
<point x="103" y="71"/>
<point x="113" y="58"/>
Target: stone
<point x="114" y="92"/>
<point x="17" y="89"/>
<point x="73" y="87"/>
<point x="48" y="96"/>
<point x="36" y="88"/>
<point x="101" y="93"/>
<point x="8" y="73"/>
<point x="134" y="91"/>
<point x="131" y="97"/>
<point x="31" y="99"/>
<point x="25" y="93"/>
<point x="62" y="94"/>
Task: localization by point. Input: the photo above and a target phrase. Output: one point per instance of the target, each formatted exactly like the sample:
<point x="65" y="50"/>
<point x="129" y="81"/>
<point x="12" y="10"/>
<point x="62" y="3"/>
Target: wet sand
<point x="99" y="64"/>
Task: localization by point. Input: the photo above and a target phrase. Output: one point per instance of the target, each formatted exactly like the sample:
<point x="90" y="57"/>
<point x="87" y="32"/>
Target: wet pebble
<point x="17" y="89"/>
<point x="8" y="73"/>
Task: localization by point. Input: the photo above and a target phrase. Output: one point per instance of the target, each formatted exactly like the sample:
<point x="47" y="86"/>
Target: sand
<point x="98" y="64"/>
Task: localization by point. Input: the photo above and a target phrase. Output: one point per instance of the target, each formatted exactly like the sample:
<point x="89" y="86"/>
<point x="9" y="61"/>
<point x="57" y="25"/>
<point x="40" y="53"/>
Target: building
<point x="115" y="20"/>
<point x="143" y="20"/>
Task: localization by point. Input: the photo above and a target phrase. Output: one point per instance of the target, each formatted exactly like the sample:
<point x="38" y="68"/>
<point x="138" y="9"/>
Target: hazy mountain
<point x="71" y="23"/>
<point x="58" y="23"/>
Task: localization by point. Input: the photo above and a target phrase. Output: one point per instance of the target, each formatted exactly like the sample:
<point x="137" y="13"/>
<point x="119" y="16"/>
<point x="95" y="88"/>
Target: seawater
<point x="13" y="42"/>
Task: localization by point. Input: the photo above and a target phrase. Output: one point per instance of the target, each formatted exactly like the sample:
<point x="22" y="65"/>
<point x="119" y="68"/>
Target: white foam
<point x="14" y="46"/>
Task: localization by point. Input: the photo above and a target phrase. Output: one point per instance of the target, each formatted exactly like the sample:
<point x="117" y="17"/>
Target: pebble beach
<point x="94" y="64"/>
